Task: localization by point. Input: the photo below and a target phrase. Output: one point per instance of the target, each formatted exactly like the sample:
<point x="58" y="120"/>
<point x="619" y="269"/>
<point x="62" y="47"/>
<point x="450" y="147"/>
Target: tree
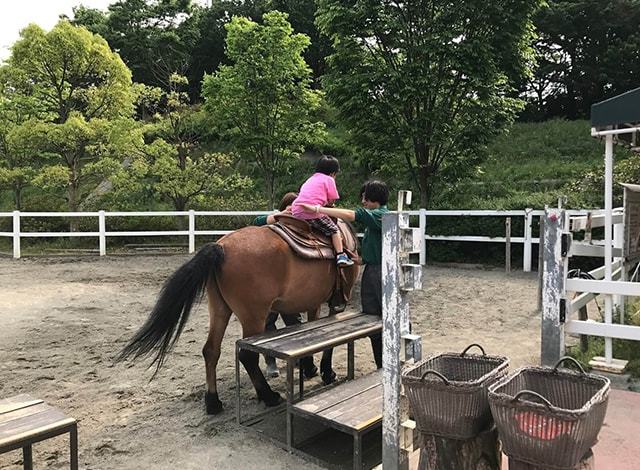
<point x="589" y="51"/>
<point x="153" y="37"/>
<point x="176" y="165"/>
<point x="70" y="69"/>
<point x="426" y="82"/>
<point x="263" y="102"/>
<point x="81" y="97"/>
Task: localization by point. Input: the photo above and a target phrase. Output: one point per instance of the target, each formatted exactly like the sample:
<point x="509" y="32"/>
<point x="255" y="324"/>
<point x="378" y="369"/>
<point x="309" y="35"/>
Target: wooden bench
<point x="354" y="407"/>
<point x="25" y="420"/>
<point x="298" y="341"/>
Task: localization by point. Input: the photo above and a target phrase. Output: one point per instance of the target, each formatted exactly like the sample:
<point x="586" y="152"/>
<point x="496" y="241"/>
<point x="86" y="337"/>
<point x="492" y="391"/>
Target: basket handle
<point x="532" y="393"/>
<point x="435" y="372"/>
<point x="470" y="346"/>
<point x="570" y="359"/>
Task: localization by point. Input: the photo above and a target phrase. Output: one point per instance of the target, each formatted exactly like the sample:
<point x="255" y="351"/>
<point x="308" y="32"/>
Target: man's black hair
<point x="328" y="165"/>
<point x="375" y="191"/>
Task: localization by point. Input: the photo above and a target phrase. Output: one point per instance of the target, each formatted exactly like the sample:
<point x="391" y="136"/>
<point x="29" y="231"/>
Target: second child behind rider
<point x="318" y="191"/>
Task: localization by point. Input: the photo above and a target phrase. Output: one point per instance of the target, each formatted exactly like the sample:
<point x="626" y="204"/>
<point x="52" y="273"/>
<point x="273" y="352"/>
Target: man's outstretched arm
<point x="344" y="214"/>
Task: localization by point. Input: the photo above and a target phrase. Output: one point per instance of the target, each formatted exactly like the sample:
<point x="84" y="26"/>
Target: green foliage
<point x="586" y="52"/>
<point x="152" y="37"/>
<point x="69" y="69"/>
<point x="262" y="102"/>
<point x="426" y="84"/>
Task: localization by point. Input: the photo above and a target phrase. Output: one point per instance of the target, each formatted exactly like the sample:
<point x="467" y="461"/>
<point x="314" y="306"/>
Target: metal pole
<point x="608" y="242"/>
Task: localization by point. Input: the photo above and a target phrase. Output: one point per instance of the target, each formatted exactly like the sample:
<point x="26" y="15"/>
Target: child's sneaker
<point x="343" y="260"/>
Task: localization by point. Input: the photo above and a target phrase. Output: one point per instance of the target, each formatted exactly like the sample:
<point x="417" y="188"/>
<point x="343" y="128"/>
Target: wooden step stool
<point x="25" y="420"/>
<point x="354" y="407"/>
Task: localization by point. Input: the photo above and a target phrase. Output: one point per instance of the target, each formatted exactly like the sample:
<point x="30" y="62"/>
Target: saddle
<point x="309" y="244"/>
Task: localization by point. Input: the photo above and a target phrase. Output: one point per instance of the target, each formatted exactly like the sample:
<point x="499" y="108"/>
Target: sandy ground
<point x="62" y="320"/>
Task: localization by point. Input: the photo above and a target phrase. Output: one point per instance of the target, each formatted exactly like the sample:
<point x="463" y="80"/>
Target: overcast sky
<point x="16" y="14"/>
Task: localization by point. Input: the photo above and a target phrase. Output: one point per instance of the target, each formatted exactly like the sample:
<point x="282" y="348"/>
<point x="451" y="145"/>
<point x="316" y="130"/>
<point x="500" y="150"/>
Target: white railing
<point x="191" y="233"/>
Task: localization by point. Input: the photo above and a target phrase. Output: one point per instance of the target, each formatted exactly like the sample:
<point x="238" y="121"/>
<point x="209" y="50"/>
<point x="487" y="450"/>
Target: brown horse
<point x="249" y="272"/>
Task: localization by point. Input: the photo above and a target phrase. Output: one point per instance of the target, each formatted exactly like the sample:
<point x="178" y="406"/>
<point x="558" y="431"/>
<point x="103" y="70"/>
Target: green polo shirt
<point x="372" y="241"/>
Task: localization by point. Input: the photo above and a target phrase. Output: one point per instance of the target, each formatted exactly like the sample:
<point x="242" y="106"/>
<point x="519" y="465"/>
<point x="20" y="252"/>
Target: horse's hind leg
<point x="253" y="325"/>
<point x="219" y="314"/>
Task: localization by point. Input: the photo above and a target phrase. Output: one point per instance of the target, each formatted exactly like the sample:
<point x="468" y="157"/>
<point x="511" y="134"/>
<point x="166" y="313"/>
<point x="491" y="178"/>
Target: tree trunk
<point x="271" y="189"/>
<point x="17" y="197"/>
<point x="424" y="180"/>
<point x="72" y="193"/>
<point x="479" y="453"/>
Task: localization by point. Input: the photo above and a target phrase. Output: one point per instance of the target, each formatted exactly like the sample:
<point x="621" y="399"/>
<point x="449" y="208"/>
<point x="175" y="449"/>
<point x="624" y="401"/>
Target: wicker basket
<point x="549" y="417"/>
<point x="448" y="392"/>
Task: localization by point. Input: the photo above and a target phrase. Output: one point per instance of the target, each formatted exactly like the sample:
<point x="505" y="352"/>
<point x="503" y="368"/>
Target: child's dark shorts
<point x="324" y="225"/>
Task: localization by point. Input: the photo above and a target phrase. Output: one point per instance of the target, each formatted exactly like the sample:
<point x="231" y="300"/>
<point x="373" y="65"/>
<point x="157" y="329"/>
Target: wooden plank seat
<point x="25" y="420"/>
<point x="354" y="407"/>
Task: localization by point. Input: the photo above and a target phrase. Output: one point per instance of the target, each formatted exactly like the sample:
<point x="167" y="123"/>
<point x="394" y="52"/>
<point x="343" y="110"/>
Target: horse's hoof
<point x="310" y="372"/>
<point x="328" y="377"/>
<point x="213" y="403"/>
<point x="270" y="398"/>
<point x="272" y="370"/>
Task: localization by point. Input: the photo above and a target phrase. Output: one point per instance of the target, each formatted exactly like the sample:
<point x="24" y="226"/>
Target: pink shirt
<point x="318" y="189"/>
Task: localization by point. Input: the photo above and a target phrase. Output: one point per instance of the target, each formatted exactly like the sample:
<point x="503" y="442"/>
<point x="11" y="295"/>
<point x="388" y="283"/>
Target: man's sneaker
<point x="343" y="260"/>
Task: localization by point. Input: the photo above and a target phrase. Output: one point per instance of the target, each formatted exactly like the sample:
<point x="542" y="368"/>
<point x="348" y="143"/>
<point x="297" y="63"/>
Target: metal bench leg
<point x="290" y="379"/>
<point x="300" y="380"/>
<point x="73" y="447"/>
<point x="238" y="417"/>
<point x="350" y="360"/>
<point x="27" y="457"/>
<point x="357" y="451"/>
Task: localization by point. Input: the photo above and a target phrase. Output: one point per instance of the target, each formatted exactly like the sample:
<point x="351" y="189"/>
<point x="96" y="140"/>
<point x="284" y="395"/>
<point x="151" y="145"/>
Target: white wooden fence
<point x="102" y="234"/>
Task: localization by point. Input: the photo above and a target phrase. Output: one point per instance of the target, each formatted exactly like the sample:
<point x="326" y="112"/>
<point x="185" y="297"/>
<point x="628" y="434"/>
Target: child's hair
<point x="375" y="191"/>
<point x="287" y="200"/>
<point x="327" y="165"/>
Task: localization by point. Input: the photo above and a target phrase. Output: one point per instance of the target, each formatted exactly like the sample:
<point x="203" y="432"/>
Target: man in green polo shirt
<point x="374" y="195"/>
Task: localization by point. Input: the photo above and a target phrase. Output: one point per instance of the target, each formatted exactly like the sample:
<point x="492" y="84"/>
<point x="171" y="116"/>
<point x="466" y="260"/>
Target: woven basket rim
<point x="502" y="363"/>
<point x="600" y="396"/>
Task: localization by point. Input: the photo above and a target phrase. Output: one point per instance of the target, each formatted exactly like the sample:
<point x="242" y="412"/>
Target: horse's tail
<point x="180" y="292"/>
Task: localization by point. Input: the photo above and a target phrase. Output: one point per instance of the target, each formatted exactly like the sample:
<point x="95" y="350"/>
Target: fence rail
<point x="191" y="233"/>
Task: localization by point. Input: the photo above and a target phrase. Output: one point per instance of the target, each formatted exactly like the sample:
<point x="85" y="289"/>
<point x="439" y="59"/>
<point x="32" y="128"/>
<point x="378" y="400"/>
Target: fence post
<point x="423" y="231"/>
<point x="526" y="254"/>
<point x="102" y="229"/>
<point x="553" y="293"/>
<point x="192" y="231"/>
<point x="507" y="245"/>
<point x="16" y="234"/>
<point x="618" y="241"/>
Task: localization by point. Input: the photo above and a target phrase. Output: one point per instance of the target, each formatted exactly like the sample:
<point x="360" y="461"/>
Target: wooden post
<point x="507" y="245"/>
<point x="395" y="324"/>
<point x="192" y="231"/>
<point x="553" y="277"/>
<point x="526" y="252"/>
<point x="540" y="262"/>
<point x="102" y="237"/>
<point x="399" y="276"/>
<point x="16" y="234"/>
